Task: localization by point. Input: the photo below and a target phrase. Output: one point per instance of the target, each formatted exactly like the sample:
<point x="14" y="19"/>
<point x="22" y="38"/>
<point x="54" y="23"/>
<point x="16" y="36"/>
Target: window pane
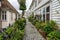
<point x="48" y="9"/>
<point x="5" y="17"/>
<point x="5" y="12"/>
<point x="2" y="17"/>
<point x="2" y="12"/>
<point x="44" y="11"/>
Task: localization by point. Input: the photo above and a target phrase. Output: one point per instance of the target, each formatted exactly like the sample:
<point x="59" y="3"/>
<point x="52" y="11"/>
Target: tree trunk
<point x="23" y="13"/>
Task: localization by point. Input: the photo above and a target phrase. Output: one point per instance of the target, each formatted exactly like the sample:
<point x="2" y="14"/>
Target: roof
<point x="31" y="4"/>
<point x="7" y="4"/>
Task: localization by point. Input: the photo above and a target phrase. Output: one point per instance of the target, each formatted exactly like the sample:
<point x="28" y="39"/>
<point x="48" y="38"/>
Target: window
<point x="11" y="16"/>
<point x="44" y="11"/>
<point x="0" y="15"/>
<point x="48" y="9"/>
<point x="39" y="1"/>
<point x="4" y="15"/>
<point x="35" y="3"/>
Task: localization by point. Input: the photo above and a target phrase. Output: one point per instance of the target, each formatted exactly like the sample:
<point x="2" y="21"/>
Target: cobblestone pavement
<point x="31" y="33"/>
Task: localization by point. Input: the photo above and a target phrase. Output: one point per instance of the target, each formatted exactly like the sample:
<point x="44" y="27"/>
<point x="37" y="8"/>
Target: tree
<point x="22" y="6"/>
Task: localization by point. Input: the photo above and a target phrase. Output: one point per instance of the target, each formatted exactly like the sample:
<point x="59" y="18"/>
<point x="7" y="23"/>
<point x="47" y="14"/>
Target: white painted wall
<point x="6" y="23"/>
<point x="55" y="11"/>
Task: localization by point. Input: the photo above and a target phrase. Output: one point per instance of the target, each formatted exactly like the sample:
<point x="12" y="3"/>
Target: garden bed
<point x="47" y="29"/>
<point x="14" y="32"/>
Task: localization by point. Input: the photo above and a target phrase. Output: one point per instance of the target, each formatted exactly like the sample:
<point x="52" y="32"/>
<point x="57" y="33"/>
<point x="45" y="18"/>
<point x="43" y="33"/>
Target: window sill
<point x="4" y="20"/>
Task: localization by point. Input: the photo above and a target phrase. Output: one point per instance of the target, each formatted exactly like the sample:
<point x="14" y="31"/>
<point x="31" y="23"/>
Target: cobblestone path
<point x="31" y="33"/>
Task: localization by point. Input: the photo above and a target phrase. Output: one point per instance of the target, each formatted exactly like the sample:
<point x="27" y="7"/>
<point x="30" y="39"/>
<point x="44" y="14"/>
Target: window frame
<point x="3" y="16"/>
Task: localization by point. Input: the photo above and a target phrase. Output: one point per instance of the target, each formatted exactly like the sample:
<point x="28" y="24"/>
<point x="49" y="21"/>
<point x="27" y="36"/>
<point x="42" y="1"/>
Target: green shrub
<point x="38" y="25"/>
<point x="9" y="30"/>
<point x="34" y="22"/>
<point x="55" y="35"/>
<point x="16" y="35"/>
<point x="30" y="18"/>
<point x="47" y="29"/>
<point x="53" y="24"/>
<point x="21" y="23"/>
<point x="42" y="25"/>
<point x="15" y="32"/>
<point x="1" y="36"/>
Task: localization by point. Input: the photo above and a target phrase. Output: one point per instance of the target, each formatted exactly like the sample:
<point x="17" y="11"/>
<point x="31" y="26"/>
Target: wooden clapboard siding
<point x="55" y="9"/>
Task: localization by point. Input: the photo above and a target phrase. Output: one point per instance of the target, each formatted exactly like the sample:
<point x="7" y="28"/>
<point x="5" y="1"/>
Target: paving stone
<point x="31" y="33"/>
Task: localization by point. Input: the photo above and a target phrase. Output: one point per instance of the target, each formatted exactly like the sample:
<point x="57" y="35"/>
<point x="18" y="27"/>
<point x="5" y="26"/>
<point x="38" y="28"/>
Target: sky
<point x="15" y="4"/>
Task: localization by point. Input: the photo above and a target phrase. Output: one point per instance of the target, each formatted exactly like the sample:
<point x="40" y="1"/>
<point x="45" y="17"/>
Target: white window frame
<point x="35" y="3"/>
<point x="3" y="14"/>
<point x="11" y="16"/>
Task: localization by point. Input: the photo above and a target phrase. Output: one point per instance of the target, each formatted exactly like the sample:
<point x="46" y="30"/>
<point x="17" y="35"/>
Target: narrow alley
<point x="31" y="33"/>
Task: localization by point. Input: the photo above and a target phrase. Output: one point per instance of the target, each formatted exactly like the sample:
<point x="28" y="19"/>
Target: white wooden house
<point x="48" y="9"/>
<point x="8" y="14"/>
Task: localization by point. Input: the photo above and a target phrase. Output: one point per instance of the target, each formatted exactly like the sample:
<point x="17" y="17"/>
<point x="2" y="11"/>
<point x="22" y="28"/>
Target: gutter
<point x="41" y="4"/>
